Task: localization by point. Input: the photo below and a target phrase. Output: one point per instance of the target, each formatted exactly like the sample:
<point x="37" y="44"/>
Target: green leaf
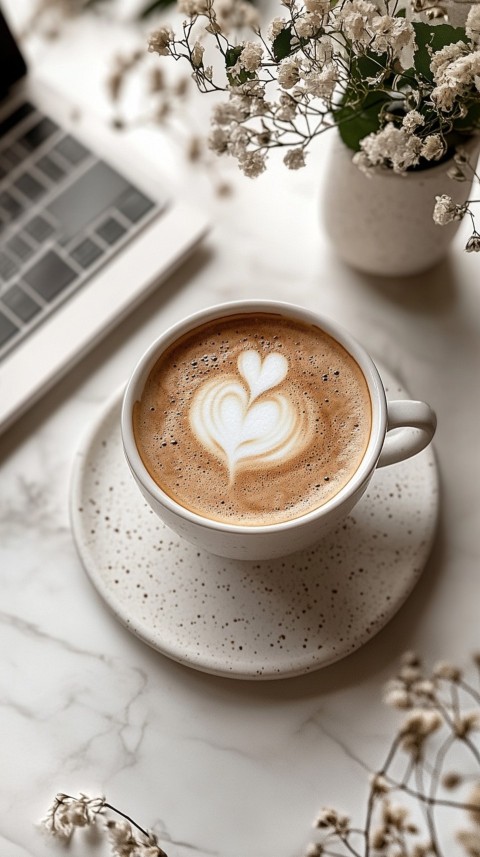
<point x="282" y="44"/>
<point x="231" y="56"/>
<point x="355" y="123"/>
<point x="155" y="6"/>
<point x="434" y="37"/>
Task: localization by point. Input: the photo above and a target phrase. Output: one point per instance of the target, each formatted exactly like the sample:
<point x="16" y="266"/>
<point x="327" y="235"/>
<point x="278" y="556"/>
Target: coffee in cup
<point x="253" y="419"/>
<point x="253" y="428"/>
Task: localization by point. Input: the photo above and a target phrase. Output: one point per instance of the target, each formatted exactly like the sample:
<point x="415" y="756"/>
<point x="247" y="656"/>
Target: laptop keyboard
<point x="63" y="214"/>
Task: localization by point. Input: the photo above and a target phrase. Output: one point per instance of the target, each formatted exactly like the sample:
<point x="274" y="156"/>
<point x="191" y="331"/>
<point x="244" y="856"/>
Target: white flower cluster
<point x="68" y="813"/>
<point x="309" y="53"/>
<point x="403" y="816"/>
<point x="361" y="23"/>
<point x="456" y="72"/>
<point x="398" y="148"/>
<point x="446" y="210"/>
<point x="318" y="66"/>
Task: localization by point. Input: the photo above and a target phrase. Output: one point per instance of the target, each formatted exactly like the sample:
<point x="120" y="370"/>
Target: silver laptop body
<point x="85" y="233"/>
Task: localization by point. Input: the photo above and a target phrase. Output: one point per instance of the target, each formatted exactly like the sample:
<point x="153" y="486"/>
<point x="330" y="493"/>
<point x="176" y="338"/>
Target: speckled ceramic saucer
<point x="250" y="620"/>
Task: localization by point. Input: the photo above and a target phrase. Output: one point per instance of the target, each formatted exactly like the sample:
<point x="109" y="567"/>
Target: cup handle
<point x="404" y="415"/>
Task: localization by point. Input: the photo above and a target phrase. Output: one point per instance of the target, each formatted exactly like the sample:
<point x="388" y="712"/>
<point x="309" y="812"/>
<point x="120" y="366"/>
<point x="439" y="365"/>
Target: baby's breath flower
<point x="319" y="7"/>
<point x="446" y="211"/>
<point x="331" y="819"/>
<point x="378" y="838"/>
<point x="423" y="849"/>
<point x="413" y="119"/>
<point x="379" y="785"/>
<point x="197" y="55"/>
<point x="421" y="723"/>
<point x="445" y="669"/>
<point x="473" y="244"/>
<point x="322" y="83"/>
<point x="218" y="140"/>
<point x="433" y="147"/>
<point x="160" y="40"/>
<point x="397" y="697"/>
<point x="409" y="674"/>
<point x="395" y="35"/>
<point x="425" y="687"/>
<point x="451" y="780"/>
<point x="314" y="849"/>
<point x="470" y="841"/>
<point x="122" y="839"/>
<point x="251" y="56"/>
<point x="473" y="800"/>
<point x="456" y="173"/>
<point x="354" y="18"/>
<point x="252" y="164"/>
<point x="442" y="58"/>
<point x="410" y="659"/>
<point x="305" y="27"/>
<point x="472" y="24"/>
<point x="417" y="727"/>
<point x="288" y="73"/>
<point x="276" y="27"/>
<point x="394" y="815"/>
<point x="67" y="812"/>
<point x="294" y="159"/>
<point x="468" y="721"/>
<point x="193" y="7"/>
<point x="287" y="108"/>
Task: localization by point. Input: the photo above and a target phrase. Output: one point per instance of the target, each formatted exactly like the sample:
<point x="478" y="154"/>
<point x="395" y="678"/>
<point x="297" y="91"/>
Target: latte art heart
<point x="253" y="419"/>
<point x="231" y="423"/>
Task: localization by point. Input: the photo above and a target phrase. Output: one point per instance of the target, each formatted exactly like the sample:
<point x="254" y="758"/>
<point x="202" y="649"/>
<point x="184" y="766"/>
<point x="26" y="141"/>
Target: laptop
<point x="85" y="235"/>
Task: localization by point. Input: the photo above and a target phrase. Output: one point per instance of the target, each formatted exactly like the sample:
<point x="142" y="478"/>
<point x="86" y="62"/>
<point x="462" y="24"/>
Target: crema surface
<point x="253" y="419"/>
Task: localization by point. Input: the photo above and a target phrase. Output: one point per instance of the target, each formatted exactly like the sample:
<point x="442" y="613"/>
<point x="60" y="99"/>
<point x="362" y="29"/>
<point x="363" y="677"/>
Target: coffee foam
<point x="253" y="419"/>
<point x="228" y="418"/>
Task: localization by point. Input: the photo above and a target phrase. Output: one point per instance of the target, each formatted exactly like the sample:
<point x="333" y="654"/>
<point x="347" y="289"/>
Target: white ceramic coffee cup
<point x="274" y="540"/>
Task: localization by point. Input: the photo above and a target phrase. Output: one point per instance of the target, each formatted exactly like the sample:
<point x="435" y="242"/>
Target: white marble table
<point x="219" y="766"/>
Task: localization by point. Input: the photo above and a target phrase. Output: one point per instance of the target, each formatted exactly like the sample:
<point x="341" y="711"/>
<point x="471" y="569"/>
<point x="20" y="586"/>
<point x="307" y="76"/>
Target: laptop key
<point x="11" y="206"/>
<point x="39" y="229"/>
<point x="134" y="205"/>
<point x="24" y="307"/>
<point x="29" y="186"/>
<point x="7" y="329"/>
<point x="72" y="150"/>
<point x="49" y="276"/>
<point x="110" y="230"/>
<point x="86" y="253"/>
<point x="19" y="248"/>
<point x="15" y="118"/>
<point x="87" y="198"/>
<point x="38" y="134"/>
<point x="50" y="168"/>
<point x="13" y="155"/>
<point x="7" y="267"/>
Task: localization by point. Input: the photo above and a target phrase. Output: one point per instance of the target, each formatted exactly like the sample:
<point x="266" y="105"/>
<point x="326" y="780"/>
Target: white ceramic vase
<point x="382" y="224"/>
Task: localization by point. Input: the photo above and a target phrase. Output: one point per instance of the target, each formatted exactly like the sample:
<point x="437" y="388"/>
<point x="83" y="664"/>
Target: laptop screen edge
<point x="12" y="64"/>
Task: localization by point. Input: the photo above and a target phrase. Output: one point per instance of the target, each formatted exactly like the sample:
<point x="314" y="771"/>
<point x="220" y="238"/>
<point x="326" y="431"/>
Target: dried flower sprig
<point x="127" y="838"/>
<point x="164" y="103"/>
<point x="446" y="210"/>
<point x="160" y="101"/>
<point x="413" y="788"/>
<point x="398" y="81"/>
<point x="401" y="91"/>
